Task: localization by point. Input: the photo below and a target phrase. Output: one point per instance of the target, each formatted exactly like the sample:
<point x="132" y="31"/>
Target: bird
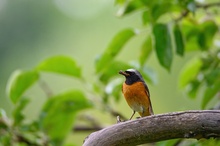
<point x="136" y="93"/>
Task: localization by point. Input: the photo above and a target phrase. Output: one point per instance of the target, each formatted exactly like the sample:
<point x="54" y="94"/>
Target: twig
<point x="86" y="128"/>
<point x="116" y="114"/>
<point x="90" y="119"/>
<point x="183" y="14"/>
<point x="95" y="125"/>
<point x="203" y="6"/>
<point x="22" y="139"/>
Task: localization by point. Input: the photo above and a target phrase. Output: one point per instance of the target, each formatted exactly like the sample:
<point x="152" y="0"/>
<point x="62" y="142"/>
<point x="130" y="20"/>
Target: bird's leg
<point x="132" y="115"/>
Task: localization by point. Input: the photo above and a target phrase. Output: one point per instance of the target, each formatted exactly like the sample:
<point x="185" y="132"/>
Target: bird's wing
<point x="148" y="94"/>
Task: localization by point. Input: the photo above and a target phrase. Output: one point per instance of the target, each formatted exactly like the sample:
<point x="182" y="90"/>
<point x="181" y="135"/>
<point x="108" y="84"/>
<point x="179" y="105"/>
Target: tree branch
<point x="86" y="128"/>
<point x="188" y="124"/>
<point x="203" y="6"/>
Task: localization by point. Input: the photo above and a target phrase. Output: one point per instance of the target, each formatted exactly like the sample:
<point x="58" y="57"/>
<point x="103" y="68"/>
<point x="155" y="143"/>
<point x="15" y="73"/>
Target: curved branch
<point x="203" y="6"/>
<point x="188" y="124"/>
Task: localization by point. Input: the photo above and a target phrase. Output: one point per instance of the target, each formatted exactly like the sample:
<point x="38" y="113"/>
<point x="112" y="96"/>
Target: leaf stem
<point x="44" y="86"/>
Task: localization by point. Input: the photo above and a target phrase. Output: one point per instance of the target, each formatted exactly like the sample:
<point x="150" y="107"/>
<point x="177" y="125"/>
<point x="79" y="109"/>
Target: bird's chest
<point x="134" y="90"/>
<point x="134" y="95"/>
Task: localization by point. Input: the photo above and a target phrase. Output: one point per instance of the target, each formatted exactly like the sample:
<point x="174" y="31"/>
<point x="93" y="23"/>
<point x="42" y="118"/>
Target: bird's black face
<point x="131" y="76"/>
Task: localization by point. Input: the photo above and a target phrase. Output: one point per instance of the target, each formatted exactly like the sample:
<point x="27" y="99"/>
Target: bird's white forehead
<point x="131" y="70"/>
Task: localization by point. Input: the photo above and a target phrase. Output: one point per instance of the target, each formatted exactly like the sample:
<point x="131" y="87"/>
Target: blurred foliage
<point x="176" y="27"/>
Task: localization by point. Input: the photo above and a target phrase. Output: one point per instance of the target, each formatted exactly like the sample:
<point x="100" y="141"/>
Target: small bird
<point x="136" y="93"/>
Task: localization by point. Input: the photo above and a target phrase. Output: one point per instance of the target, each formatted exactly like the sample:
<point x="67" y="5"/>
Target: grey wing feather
<point x="148" y="94"/>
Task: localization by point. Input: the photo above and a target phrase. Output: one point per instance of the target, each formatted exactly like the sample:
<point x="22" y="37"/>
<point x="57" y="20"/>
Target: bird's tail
<point x="144" y="114"/>
<point x="147" y="112"/>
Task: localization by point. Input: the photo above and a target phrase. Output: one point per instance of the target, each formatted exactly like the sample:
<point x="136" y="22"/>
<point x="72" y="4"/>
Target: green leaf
<point x="202" y="41"/>
<point x="19" y="82"/>
<point x="128" y="7"/>
<point x="207" y="32"/>
<point x="199" y="36"/>
<point x="102" y="61"/>
<point x="114" y="48"/>
<point x="163" y="44"/>
<point x="149" y="75"/>
<point x="171" y="142"/>
<point x="58" y="114"/>
<point x="5" y="139"/>
<point x="114" y="88"/>
<point x="112" y="70"/>
<point x="212" y="75"/>
<point x="194" y="87"/>
<point x="70" y="144"/>
<point x="133" y="5"/>
<point x="17" y="112"/>
<point x="190" y="32"/>
<point x="210" y="142"/>
<point x="189" y="72"/>
<point x="179" y="42"/>
<point x="160" y="9"/>
<point x="3" y="114"/>
<point x="146" y="50"/>
<point x="210" y="92"/>
<point x="62" y="65"/>
<point x="120" y="2"/>
<point x="146" y="18"/>
<point x="119" y="41"/>
<point x="4" y="121"/>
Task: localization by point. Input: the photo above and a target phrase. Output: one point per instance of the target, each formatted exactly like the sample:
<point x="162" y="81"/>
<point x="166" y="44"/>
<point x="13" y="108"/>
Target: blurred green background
<point x="31" y="31"/>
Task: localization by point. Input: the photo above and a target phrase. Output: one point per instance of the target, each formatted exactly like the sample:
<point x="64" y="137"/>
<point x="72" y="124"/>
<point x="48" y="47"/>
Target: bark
<point x="188" y="124"/>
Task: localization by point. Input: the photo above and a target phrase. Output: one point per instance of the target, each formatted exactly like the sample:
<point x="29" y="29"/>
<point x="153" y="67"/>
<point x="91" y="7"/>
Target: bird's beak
<point x="123" y="73"/>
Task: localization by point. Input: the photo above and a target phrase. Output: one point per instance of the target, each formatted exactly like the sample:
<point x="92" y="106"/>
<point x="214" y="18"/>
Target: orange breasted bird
<point x="136" y="93"/>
